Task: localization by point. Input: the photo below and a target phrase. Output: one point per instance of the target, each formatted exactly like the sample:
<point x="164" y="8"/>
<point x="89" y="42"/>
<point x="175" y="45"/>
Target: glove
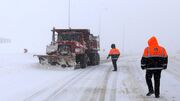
<point x="107" y="57"/>
<point x="143" y="66"/>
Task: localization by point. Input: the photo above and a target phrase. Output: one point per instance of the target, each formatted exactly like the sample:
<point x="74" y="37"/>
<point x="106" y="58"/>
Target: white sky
<point x="28" y="22"/>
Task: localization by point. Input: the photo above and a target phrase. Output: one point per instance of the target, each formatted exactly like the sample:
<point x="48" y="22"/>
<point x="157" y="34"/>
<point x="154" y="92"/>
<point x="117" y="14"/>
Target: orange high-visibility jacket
<point x="114" y="53"/>
<point x="154" y="55"/>
<point x="154" y="49"/>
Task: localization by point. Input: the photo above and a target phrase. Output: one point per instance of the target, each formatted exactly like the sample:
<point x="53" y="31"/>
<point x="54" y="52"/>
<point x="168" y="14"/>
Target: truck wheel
<point x="97" y="59"/>
<point x="83" y="61"/>
<point x="94" y="59"/>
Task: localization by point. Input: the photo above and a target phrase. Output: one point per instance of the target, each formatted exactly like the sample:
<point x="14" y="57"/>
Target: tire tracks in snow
<point x="49" y="87"/>
<point x="62" y="89"/>
<point x="98" y="93"/>
<point x="70" y="79"/>
<point x="132" y="85"/>
<point x="74" y="76"/>
<point x="113" y="87"/>
<point x="104" y="85"/>
<point x="59" y="91"/>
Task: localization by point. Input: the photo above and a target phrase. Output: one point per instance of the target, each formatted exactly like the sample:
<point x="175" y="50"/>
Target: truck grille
<point x="64" y="49"/>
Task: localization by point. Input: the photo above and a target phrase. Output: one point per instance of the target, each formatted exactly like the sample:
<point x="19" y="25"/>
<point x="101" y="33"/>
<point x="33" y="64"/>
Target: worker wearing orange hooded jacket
<point x="154" y="60"/>
<point x="114" y="54"/>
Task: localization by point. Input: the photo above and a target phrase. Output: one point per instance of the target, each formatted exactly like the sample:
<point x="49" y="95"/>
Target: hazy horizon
<point x="28" y="23"/>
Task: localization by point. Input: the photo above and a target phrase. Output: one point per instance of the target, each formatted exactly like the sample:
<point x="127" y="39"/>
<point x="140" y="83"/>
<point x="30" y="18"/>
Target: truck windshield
<point x="69" y="37"/>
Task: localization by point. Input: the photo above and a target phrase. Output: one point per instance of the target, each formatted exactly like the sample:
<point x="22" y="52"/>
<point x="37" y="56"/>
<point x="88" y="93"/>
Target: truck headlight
<point x="77" y="50"/>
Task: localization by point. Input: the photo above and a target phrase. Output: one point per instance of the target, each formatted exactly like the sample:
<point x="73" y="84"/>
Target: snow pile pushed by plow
<point x="22" y="78"/>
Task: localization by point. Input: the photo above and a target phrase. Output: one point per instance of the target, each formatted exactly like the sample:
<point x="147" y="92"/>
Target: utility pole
<point x="69" y="14"/>
<point x="99" y="36"/>
<point x="100" y="22"/>
<point x="123" y="40"/>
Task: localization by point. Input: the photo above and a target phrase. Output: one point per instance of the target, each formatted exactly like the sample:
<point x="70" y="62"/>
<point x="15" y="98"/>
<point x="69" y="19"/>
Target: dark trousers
<point x="157" y="76"/>
<point x="114" y="62"/>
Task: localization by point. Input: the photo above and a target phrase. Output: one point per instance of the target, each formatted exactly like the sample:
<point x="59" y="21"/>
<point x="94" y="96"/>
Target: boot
<point x="157" y="96"/>
<point x="150" y="93"/>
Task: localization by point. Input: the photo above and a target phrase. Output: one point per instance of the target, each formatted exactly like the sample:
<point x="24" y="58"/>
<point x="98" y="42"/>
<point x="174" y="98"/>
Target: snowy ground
<point x="23" y="79"/>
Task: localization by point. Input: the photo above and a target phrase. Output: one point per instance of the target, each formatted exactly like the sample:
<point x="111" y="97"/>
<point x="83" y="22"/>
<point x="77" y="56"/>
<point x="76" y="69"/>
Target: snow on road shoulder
<point x="22" y="78"/>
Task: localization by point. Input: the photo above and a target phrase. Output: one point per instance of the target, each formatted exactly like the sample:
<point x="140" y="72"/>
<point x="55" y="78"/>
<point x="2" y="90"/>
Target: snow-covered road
<point x="23" y="79"/>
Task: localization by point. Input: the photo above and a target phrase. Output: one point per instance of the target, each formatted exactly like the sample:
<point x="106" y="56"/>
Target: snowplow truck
<point x="72" y="48"/>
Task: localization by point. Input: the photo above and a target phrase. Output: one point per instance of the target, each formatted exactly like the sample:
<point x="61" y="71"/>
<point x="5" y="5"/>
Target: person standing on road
<point x="114" y="54"/>
<point x="154" y="60"/>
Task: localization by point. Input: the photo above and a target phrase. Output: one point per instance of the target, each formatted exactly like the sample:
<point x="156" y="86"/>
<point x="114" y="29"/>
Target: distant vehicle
<point x="4" y="40"/>
<point x="72" y="48"/>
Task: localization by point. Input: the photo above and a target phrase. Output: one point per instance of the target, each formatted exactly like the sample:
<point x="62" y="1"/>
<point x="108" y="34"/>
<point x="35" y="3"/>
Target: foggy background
<point x="27" y="23"/>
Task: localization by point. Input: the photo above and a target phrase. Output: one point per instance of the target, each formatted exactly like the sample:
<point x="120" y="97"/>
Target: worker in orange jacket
<point x="154" y="60"/>
<point x="114" y="54"/>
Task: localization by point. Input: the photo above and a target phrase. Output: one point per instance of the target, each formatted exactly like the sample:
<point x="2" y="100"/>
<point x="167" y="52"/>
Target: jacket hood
<point x="153" y="41"/>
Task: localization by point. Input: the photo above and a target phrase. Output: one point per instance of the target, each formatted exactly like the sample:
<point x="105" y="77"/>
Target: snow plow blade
<point x="63" y="61"/>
